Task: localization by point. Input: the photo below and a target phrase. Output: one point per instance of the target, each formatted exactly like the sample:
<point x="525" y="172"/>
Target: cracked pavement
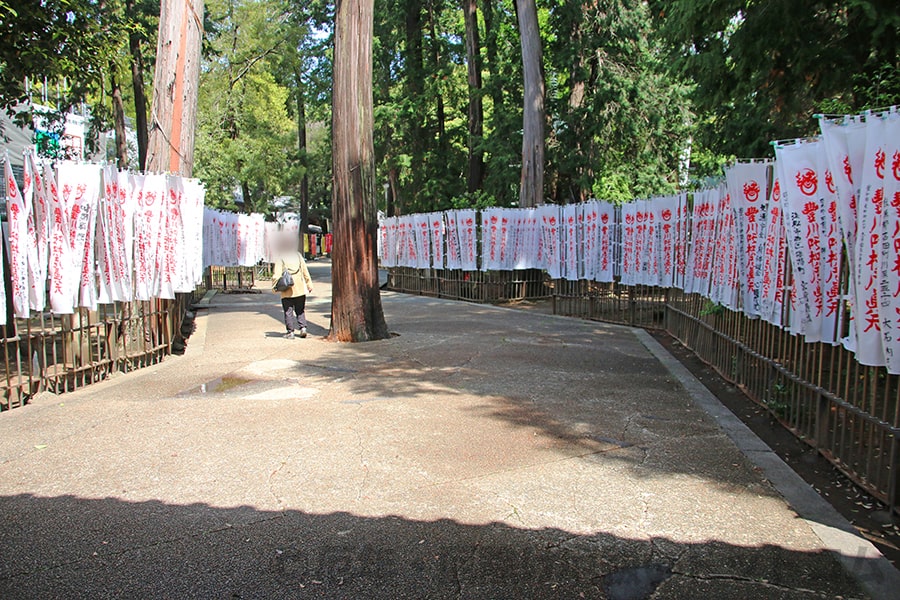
<point x="480" y="453"/>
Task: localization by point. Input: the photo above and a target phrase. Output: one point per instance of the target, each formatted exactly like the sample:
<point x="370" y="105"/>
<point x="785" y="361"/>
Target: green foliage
<point x="763" y="68"/>
<point x="479" y="200"/>
<point x="55" y="39"/>
<point x="263" y="66"/>
<point x="620" y="120"/>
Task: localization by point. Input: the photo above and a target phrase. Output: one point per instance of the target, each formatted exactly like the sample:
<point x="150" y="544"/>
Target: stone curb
<point x="857" y="555"/>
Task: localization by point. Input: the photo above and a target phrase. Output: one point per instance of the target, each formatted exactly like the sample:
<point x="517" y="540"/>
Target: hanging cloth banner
<point x="667" y="210"/>
<point x="172" y="239"/>
<point x="402" y="242"/>
<point x="41" y="219"/>
<point x="423" y="242"/>
<point x="150" y="191"/>
<point x="629" y="233"/>
<point x="467" y="226"/>
<point x="890" y="259"/>
<point x="79" y="192"/>
<point x="605" y="236"/>
<point x="748" y="188"/>
<point x="774" y="250"/>
<point x="529" y="249"/>
<point x="389" y="242"/>
<point x="192" y="251"/>
<point x="801" y="181"/>
<point x="867" y="248"/>
<point x="17" y="243"/>
<point x="518" y="238"/>
<point x="36" y="283"/>
<point x="697" y="279"/>
<point x="61" y="267"/>
<point x="507" y="238"/>
<point x="682" y="226"/>
<point x="587" y="215"/>
<point x="652" y="242"/>
<point x="491" y="239"/>
<point x="436" y="223"/>
<point x="721" y="252"/>
<point x="454" y="256"/>
<point x="845" y="148"/>
<point x="551" y="240"/>
<point x="107" y="239"/>
<point x="641" y="256"/>
<point x="832" y="257"/>
<point x="571" y="242"/>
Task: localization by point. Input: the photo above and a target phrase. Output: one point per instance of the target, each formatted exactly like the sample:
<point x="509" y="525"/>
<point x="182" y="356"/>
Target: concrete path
<point x="480" y="453"/>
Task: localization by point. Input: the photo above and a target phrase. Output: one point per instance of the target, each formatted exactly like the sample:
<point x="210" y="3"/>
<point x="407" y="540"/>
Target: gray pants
<point x="294" y="312"/>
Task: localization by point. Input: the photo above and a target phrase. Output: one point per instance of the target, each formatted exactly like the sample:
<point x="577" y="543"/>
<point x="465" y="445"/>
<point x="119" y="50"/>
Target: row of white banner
<point x="243" y="240"/>
<point x="822" y="202"/>
<point x="85" y="234"/>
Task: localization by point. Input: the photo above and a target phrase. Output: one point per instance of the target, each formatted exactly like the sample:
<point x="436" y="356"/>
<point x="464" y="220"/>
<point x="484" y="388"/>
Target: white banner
<point x="436" y="223"/>
<point x="79" y="190"/>
<point x="748" y="188"/>
<point x="551" y="244"/>
<point x="605" y="237"/>
<point x="466" y="224"/>
<point x="454" y="254"/>
<point x="37" y="274"/>
<point x="423" y="241"/>
<point x="17" y="242"/>
<point x="890" y="257"/>
<point x="802" y="184"/>
<point x="771" y="301"/>
<point x="867" y="249"/>
<point x="571" y="244"/>
<point x="666" y="210"/>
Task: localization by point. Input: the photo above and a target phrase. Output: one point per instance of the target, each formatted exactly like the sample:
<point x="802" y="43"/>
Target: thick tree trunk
<point x="394" y="197"/>
<point x="174" y="107"/>
<point x="531" y="188"/>
<point x="475" y="172"/>
<point x="301" y="140"/>
<point x="582" y="177"/>
<point x="137" y="84"/>
<point x="440" y="114"/>
<point x="356" y="312"/>
<point x="490" y="48"/>
<point x="118" y="119"/>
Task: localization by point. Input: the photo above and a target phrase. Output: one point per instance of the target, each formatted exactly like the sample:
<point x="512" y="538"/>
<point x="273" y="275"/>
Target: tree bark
<point x="440" y="113"/>
<point x="490" y="48"/>
<point x="137" y="84"/>
<point x="118" y="119"/>
<point x="356" y="311"/>
<point x="174" y="106"/>
<point x="301" y="140"/>
<point x="475" y="172"/>
<point x="531" y="187"/>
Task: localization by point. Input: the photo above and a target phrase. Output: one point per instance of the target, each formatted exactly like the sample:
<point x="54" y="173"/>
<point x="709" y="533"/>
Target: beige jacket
<point x="297" y="266"/>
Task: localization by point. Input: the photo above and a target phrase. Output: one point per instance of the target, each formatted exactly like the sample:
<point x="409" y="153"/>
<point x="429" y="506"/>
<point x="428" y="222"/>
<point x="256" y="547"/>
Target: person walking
<point x="293" y="299"/>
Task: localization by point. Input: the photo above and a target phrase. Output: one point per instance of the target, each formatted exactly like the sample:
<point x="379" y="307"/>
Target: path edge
<point x="857" y="555"/>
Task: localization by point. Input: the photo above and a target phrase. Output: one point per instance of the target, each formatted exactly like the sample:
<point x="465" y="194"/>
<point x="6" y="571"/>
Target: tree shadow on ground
<point x="592" y="389"/>
<point x="69" y="547"/>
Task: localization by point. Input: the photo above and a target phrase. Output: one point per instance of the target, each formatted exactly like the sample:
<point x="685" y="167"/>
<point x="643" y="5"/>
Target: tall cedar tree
<point x="174" y="107"/>
<point x="356" y="311"/>
<point x="531" y="190"/>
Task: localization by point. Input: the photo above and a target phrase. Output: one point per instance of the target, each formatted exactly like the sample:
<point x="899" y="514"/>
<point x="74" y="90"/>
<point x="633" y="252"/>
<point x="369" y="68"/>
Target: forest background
<point x="641" y="97"/>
